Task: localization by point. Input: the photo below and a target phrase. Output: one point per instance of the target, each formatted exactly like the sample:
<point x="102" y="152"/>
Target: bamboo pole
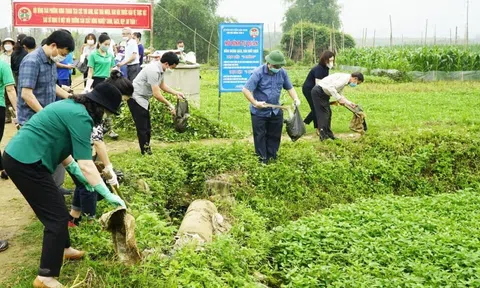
<point x="195" y="42"/>
<point x="269" y="36"/>
<point x="466" y="26"/>
<point x="374" y="32"/>
<point x="301" y="38"/>
<point x="426" y="32"/>
<point x="456" y="35"/>
<point x="391" y="32"/>
<point x="314" y="46"/>
<point x="210" y="41"/>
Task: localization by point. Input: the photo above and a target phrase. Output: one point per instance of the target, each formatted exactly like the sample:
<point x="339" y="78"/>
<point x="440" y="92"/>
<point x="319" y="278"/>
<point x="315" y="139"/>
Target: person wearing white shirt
<point x="131" y="54"/>
<point x="332" y="86"/>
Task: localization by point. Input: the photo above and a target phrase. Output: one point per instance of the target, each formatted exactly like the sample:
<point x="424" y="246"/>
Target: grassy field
<point x="396" y="208"/>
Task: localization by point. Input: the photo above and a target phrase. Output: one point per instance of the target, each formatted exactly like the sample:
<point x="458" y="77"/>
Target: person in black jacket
<point x="17" y="56"/>
<point x="316" y="74"/>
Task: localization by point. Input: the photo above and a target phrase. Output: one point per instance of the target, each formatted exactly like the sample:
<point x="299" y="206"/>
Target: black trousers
<point x="2" y="128"/>
<point x="321" y="103"/>
<point x="37" y="186"/>
<point x="97" y="80"/>
<point x="132" y="71"/>
<point x="267" y="134"/>
<point x="141" y="117"/>
<point x="307" y="92"/>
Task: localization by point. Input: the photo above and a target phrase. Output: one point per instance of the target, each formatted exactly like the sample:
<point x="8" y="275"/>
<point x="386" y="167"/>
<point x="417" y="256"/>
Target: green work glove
<point x="109" y="196"/>
<point x="74" y="169"/>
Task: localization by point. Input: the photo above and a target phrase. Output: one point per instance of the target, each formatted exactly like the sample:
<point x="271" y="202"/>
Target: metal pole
<point x="219" y="101"/>
<point x="151" y="21"/>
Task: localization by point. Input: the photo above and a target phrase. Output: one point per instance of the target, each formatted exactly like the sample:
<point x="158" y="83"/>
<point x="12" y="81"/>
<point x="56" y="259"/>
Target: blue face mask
<point x="274" y="70"/>
<point x="353" y="85"/>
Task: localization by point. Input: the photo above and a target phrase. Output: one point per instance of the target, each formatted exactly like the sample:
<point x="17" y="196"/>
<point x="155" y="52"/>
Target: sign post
<point x="241" y="51"/>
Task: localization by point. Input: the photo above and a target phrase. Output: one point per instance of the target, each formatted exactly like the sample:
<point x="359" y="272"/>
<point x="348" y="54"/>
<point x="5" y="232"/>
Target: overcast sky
<point x="408" y="16"/>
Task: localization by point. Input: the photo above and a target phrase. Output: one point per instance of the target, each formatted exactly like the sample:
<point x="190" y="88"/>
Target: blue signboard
<point x="241" y="51"/>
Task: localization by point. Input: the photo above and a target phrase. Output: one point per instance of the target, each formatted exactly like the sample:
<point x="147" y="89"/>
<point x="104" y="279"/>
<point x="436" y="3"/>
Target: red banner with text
<point x="81" y="15"/>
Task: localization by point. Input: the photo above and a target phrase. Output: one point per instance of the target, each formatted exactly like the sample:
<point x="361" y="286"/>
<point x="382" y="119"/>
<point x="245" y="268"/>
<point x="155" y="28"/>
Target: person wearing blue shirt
<point x="263" y="88"/>
<point x="64" y="69"/>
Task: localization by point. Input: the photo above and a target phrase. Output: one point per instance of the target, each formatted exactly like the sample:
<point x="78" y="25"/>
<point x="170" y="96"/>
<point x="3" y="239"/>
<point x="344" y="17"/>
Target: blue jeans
<point x="84" y="200"/>
<point x="65" y="82"/>
<point x="267" y="133"/>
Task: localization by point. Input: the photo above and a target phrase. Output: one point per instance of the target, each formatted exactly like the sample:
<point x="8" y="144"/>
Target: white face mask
<point x="90" y="42"/>
<point x="58" y="58"/>
<point x="330" y="65"/>
<point x="125" y="38"/>
<point x="8" y="47"/>
<point x="180" y="49"/>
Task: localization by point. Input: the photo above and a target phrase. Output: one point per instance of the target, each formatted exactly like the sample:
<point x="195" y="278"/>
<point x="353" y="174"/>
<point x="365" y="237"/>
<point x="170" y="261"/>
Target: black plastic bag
<point x="295" y="126"/>
<point x="181" y="116"/>
<point x="82" y="66"/>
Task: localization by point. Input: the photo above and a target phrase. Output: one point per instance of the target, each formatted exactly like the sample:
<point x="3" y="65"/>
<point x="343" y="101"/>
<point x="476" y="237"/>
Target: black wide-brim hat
<point x="107" y="95"/>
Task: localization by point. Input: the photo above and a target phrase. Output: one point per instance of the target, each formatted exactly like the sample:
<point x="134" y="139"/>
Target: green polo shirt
<point x="6" y="78"/>
<point x="61" y="129"/>
<point x="101" y="64"/>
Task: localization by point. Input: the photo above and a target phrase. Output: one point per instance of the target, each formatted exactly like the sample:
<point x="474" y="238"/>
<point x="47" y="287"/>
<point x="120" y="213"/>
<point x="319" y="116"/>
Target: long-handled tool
<point x="108" y="176"/>
<point x="276" y="106"/>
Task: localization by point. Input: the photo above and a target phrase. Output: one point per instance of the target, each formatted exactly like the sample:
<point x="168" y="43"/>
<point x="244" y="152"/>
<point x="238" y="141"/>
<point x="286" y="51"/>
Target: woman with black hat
<point x="49" y="138"/>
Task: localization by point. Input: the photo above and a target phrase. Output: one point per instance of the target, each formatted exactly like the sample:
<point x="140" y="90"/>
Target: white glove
<point x="88" y="86"/>
<point x="113" y="181"/>
<point x="296" y="102"/>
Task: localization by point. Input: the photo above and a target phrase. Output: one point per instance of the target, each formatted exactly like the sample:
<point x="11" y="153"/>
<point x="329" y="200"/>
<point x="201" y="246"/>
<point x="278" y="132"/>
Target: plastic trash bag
<point x="181" y="116"/>
<point x="358" y="123"/>
<point x="295" y="126"/>
<point x="122" y="226"/>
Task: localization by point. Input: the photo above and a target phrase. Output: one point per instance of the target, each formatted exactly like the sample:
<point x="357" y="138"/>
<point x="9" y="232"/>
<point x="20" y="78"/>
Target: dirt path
<point x="15" y="215"/>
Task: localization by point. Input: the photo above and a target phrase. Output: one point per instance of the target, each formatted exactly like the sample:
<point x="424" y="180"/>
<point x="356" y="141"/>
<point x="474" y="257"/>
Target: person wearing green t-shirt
<point x="7" y="83"/>
<point x="100" y="63"/>
<point x="56" y="135"/>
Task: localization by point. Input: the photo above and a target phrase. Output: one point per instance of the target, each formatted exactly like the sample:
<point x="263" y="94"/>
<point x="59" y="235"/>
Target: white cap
<point x="8" y="39"/>
<point x="157" y="53"/>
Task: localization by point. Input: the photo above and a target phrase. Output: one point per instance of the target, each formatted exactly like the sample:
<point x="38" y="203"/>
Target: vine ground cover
<point x="287" y="228"/>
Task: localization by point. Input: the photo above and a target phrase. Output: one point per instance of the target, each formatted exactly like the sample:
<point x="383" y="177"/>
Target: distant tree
<point x="326" y="12"/>
<point x="291" y="41"/>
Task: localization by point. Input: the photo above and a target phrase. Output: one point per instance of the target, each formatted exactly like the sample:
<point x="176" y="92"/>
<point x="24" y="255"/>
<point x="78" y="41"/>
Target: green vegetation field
<point x="396" y="208"/>
<point x="414" y="58"/>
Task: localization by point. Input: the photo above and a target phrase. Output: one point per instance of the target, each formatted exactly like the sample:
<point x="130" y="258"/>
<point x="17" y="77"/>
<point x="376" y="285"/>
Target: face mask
<point x="58" y="58"/>
<point x="180" y="49"/>
<point x="353" y="85"/>
<point x="274" y="70"/>
<point x="90" y="42"/>
<point x="125" y="38"/>
<point x="104" y="48"/>
<point x="330" y="65"/>
<point x="8" y="47"/>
